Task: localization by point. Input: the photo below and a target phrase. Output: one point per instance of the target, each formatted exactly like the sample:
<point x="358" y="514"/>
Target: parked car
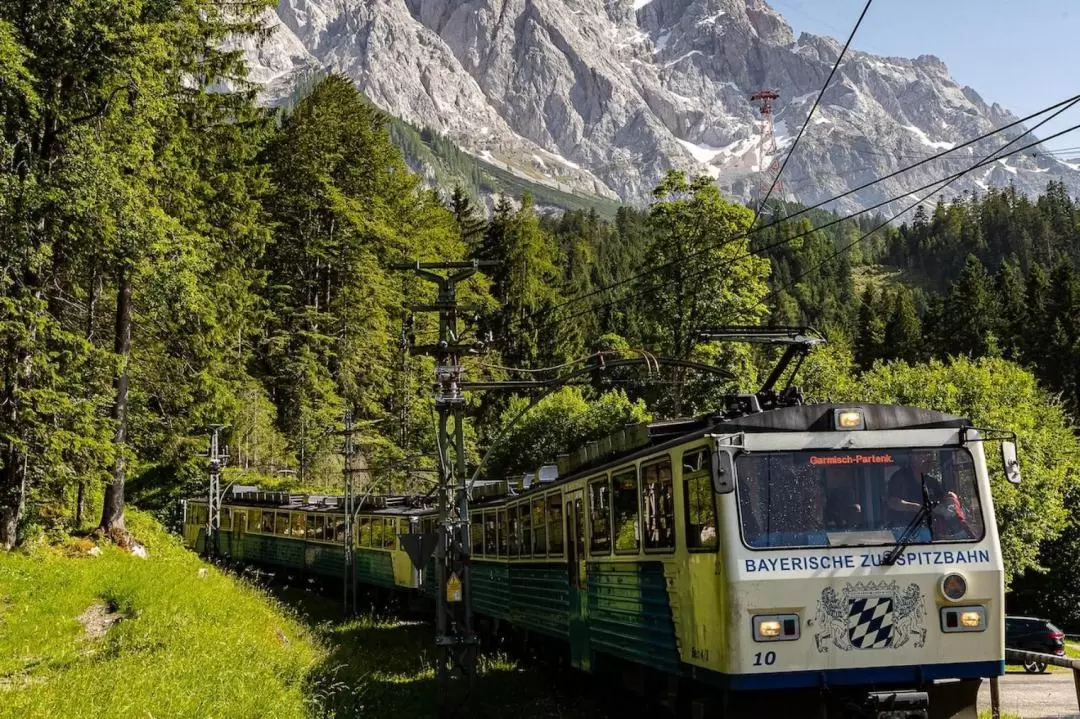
<point x="1034" y="635"/>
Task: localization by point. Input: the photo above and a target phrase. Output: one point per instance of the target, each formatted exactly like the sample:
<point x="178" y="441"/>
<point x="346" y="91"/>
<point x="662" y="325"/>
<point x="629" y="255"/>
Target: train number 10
<point x="766" y="658"/>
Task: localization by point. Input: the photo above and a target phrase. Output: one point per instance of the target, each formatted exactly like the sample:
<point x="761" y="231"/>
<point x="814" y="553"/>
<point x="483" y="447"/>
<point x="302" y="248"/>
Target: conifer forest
<point x="177" y="257"/>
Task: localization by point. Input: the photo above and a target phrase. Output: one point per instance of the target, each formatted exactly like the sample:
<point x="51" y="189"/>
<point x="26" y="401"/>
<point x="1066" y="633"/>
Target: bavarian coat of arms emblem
<point x="870" y="615"/>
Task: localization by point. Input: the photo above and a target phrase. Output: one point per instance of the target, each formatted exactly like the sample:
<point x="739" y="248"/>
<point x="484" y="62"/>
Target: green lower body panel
<point x="325" y="560"/>
<point x="274" y="551"/>
<point x="374" y="568"/>
<point x="427" y="584"/>
<point x="629" y="614"/>
<point x="491" y="589"/>
<point x="540" y="597"/>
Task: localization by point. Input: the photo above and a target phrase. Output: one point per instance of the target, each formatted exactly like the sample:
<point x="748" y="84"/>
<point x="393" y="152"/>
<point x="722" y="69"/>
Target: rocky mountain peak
<point x="603" y="96"/>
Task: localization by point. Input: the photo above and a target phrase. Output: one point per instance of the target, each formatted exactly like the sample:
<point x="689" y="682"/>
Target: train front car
<point x="863" y="569"/>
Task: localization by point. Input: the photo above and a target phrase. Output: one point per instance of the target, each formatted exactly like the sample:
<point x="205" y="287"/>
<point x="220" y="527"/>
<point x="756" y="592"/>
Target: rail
<point x="1018" y="656"/>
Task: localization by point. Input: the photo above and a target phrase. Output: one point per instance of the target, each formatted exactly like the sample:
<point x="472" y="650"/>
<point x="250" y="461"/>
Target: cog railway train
<point x="833" y="561"/>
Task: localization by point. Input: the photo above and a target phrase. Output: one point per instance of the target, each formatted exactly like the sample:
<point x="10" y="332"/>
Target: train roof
<point x="743" y="414"/>
<point x="389" y="505"/>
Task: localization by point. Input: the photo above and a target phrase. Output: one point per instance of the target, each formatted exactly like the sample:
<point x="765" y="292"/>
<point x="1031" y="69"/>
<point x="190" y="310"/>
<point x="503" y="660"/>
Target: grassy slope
<point x="190" y="646"/>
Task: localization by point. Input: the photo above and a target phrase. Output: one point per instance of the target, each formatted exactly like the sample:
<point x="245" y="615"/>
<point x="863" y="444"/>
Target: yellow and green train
<point x="815" y="560"/>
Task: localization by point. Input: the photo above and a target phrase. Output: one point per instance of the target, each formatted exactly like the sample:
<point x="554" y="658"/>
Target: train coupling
<point x="898" y="705"/>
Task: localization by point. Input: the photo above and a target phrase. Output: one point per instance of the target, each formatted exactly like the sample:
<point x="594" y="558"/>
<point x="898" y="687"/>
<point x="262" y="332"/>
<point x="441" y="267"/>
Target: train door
<point x="239" y="529"/>
<point x="580" y="655"/>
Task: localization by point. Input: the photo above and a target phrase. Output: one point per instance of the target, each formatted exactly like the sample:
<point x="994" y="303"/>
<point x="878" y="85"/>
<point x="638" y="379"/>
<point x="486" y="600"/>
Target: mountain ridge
<point x="604" y="97"/>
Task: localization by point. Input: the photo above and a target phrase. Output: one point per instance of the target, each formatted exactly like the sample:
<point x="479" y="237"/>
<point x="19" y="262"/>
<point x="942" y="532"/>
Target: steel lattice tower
<point x="768" y="177"/>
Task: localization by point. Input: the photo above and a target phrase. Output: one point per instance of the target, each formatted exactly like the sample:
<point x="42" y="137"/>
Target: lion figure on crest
<point x="908" y="618"/>
<point x="832" y="622"/>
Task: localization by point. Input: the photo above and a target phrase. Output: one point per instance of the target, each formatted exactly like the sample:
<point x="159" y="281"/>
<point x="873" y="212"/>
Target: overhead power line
<point x="991" y="158"/>
<point x="949" y="178"/>
<point x="551" y="312"/>
<point x="817" y="101"/>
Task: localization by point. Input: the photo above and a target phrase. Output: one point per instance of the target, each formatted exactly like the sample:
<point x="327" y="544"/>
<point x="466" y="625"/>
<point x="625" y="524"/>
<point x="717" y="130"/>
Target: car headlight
<point x="963" y="619"/>
<point x="776" y="627"/>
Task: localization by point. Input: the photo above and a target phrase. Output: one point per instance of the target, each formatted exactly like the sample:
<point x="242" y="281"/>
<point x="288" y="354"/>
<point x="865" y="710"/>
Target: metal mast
<point x="453" y="617"/>
<point x="768" y="177"/>
<point x="218" y="460"/>
<point x="349" y="578"/>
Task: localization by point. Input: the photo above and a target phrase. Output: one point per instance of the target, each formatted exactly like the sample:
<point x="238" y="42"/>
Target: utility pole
<point x="453" y="616"/>
<point x="218" y="459"/>
<point x="349" y="578"/>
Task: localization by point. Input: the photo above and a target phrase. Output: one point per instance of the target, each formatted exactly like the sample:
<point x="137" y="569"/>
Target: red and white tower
<point x="767" y="152"/>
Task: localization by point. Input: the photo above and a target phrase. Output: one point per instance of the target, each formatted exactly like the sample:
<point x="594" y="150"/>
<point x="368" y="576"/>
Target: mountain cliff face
<point x="603" y="96"/>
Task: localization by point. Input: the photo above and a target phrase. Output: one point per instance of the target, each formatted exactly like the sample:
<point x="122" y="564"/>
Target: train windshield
<point x="864" y="498"/>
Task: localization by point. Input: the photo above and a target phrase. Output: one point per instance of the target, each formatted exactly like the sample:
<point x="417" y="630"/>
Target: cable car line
<point x="817" y="101"/>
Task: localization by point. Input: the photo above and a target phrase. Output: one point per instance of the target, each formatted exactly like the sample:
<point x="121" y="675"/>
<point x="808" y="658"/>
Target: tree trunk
<point x="112" y="513"/>
<point x="13" y="472"/>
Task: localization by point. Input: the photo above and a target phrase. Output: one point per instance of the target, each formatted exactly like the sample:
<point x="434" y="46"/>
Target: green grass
<point x="381" y="666"/>
<point x="188" y="646"/>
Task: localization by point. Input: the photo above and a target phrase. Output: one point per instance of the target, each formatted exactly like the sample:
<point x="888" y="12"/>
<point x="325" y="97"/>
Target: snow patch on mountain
<point x="616" y="92"/>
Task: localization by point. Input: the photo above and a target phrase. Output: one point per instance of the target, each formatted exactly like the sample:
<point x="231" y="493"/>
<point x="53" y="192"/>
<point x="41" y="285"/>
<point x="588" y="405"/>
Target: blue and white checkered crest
<point x="870" y="622"/>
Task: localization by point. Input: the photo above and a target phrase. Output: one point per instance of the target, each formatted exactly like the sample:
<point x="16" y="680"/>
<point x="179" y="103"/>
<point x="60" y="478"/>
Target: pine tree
<point x="972" y="312"/>
<point x="870" y="340"/>
<point x="903" y="331"/>
<point x="470" y="224"/>
<point x="1011" y="300"/>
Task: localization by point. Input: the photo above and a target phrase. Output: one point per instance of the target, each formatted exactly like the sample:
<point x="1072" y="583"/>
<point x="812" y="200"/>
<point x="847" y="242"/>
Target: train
<point x="825" y="560"/>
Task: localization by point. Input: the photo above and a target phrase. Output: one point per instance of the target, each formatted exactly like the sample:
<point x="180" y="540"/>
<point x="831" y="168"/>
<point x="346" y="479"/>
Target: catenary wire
<point x="551" y="312"/>
<point x="992" y="157"/>
<point x="817" y="101"/>
<point x="982" y="163"/>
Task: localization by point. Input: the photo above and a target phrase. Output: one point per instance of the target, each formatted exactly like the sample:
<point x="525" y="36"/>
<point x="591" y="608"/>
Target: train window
<point x="389" y="538"/>
<point x="845" y="498"/>
<point x="281" y="526"/>
<point x="699" y="501"/>
<point x="658" y="505"/>
<point x="525" y="528"/>
<point x="226" y="518"/>
<point x="267" y="526"/>
<point x="298" y="524"/>
<point x="255" y="520"/>
<point x="490" y="543"/>
<point x="514" y="544"/>
<point x="363" y="531"/>
<point x="600" y="516"/>
<point x="539" y="523"/>
<point x="377" y="528"/>
<point x="504" y="534"/>
<point x="314" y="526"/>
<point x="476" y="531"/>
<point x="624" y="502"/>
<point x="555" y="524"/>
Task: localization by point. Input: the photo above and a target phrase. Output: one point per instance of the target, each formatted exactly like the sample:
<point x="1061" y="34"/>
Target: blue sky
<point x="1023" y="54"/>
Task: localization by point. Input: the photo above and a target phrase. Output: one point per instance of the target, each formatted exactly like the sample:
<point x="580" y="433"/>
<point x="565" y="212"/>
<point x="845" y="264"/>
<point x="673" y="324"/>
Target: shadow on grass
<point x="386" y="668"/>
<point x="382" y="663"/>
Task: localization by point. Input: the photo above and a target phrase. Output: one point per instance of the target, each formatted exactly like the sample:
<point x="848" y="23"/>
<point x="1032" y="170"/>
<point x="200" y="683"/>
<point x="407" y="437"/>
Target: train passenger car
<point x="806" y="560"/>
<point x="840" y="558"/>
<point x="307" y="533"/>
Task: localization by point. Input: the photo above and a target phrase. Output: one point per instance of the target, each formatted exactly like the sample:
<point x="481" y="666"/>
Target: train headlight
<point x="769" y="629"/>
<point x="963" y="619"/>
<point x="971" y="620"/>
<point x="776" y="627"/>
<point x="954" y="587"/>
<point x="848" y="419"/>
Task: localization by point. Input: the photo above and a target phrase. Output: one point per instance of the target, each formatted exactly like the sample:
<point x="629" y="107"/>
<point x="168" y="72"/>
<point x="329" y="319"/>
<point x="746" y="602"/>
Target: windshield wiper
<point x="909" y="532"/>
